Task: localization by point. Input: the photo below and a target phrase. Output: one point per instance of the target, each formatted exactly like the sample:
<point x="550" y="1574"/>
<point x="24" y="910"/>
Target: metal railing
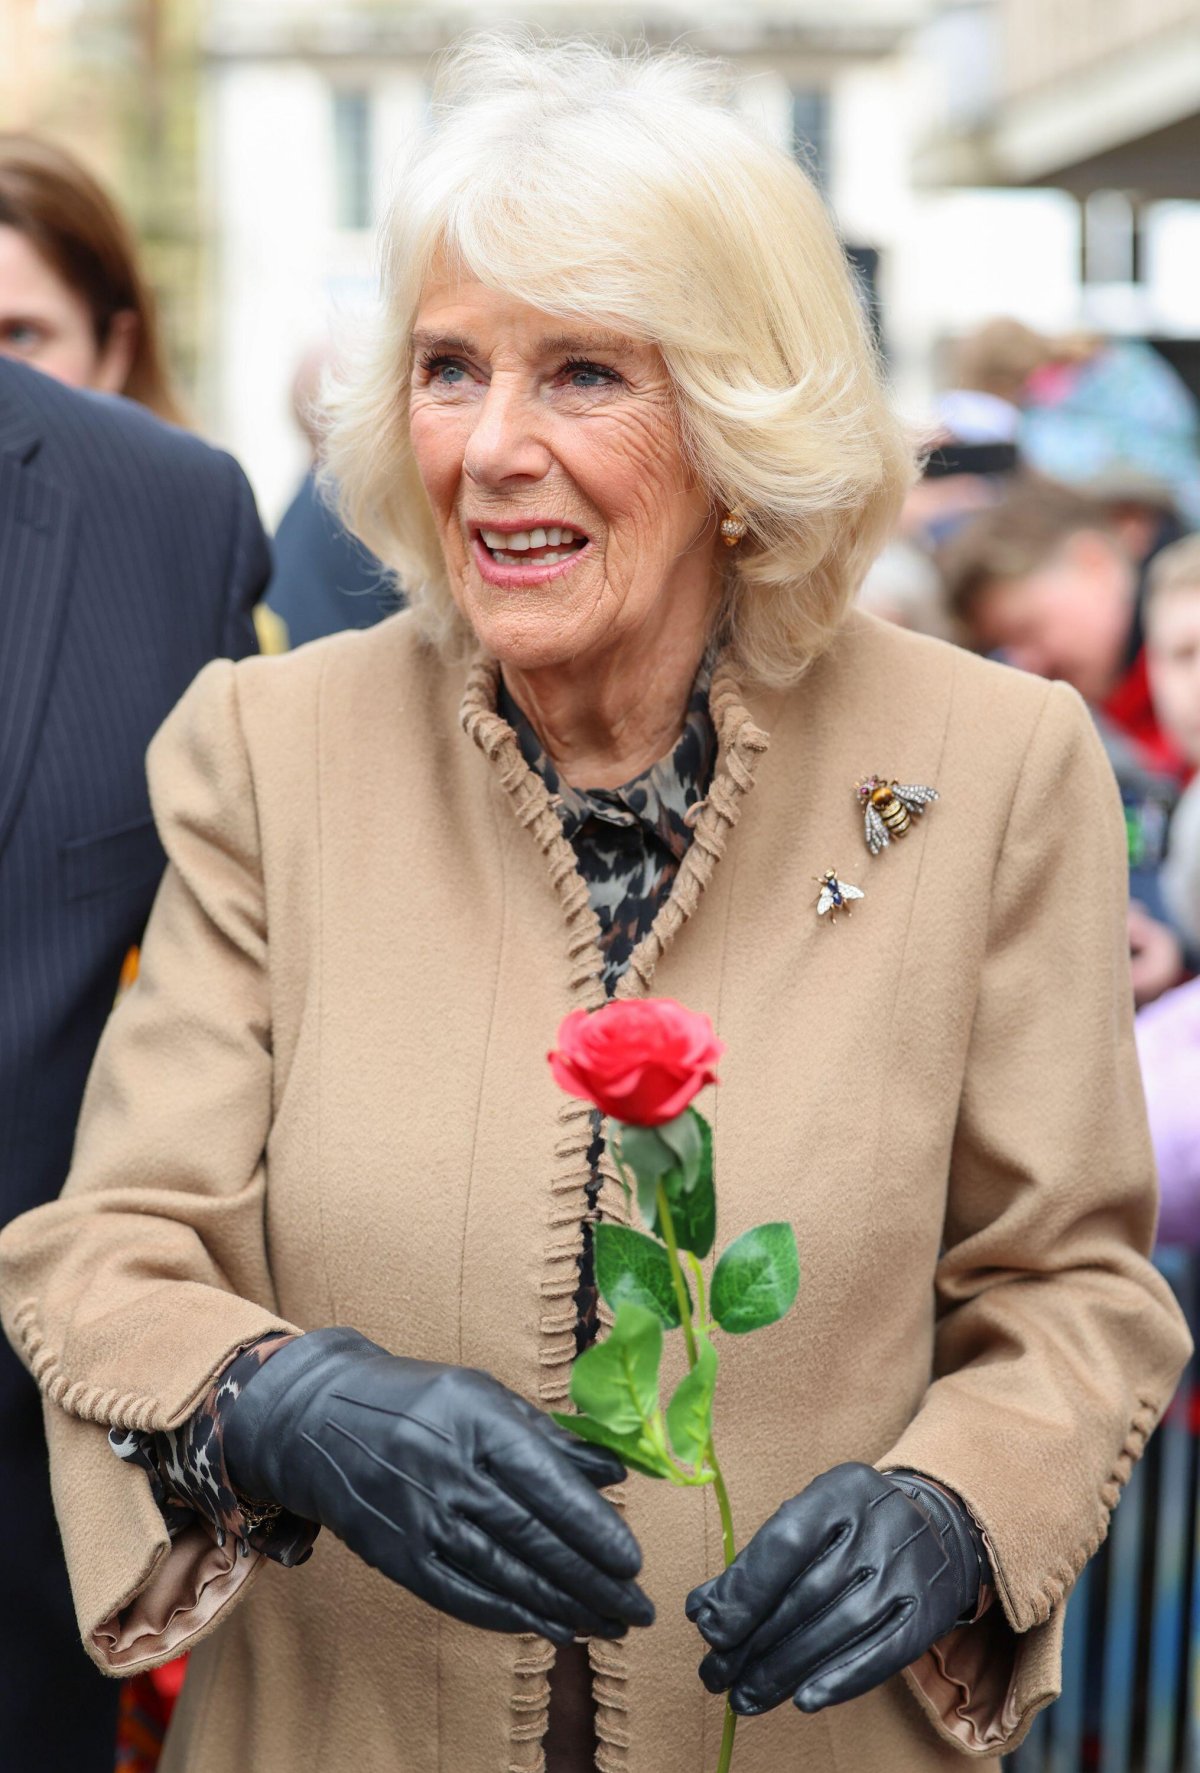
<point x="1131" y="1660"/>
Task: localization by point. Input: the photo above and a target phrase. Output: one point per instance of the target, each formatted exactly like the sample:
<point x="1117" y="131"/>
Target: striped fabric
<point x="146" y="1704"/>
<point x="130" y="555"/>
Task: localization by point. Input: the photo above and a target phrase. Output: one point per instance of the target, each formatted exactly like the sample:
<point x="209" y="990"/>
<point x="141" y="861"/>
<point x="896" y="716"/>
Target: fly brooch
<point x="888" y="808"/>
<point x="835" y="895"/>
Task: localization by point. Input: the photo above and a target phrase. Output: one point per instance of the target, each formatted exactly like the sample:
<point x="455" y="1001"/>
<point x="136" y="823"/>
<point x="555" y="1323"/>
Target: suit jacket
<point x="130" y="555"/>
<point x="324" y="580"/>
<point x="326" y="1101"/>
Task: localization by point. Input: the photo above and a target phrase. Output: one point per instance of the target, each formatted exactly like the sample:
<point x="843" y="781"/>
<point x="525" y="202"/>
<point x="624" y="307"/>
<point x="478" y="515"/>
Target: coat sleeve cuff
<point x="187" y="1592"/>
<point x="140" y="1598"/>
<point x="189" y="1478"/>
<point x="983" y="1684"/>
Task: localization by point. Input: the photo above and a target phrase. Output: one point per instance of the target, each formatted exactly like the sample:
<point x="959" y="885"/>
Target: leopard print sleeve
<point x="186" y="1469"/>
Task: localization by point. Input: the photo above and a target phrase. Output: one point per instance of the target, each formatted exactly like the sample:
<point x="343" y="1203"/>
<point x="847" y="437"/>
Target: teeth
<point x="549" y="558"/>
<point x="525" y="540"/>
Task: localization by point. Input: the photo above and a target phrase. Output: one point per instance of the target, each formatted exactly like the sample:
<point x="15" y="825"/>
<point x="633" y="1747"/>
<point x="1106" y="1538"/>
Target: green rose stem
<point x="689" y="1335"/>
<point x="681" y="1298"/>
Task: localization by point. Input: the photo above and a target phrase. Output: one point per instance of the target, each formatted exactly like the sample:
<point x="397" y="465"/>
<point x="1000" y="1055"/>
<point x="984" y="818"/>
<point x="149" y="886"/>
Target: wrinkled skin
<point x="512" y="419"/>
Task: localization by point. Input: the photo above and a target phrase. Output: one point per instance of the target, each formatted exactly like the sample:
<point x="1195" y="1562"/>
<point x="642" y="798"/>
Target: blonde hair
<point x="620" y="188"/>
<point x="1176" y="568"/>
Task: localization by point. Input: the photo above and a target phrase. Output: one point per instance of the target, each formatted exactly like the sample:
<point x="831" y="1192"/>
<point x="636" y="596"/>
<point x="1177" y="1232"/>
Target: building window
<point x="1111" y="238"/>
<point x="810" y="130"/>
<point x="352" y="158"/>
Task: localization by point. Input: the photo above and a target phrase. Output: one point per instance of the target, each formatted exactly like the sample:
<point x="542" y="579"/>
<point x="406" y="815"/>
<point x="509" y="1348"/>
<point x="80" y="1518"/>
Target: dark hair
<point x="72" y="223"/>
<point x="1015" y="537"/>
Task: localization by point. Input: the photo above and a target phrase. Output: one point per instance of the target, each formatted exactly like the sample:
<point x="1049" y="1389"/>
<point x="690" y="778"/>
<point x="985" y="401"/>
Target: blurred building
<point x="1033" y="157"/>
<point x="1087" y="95"/>
<point x="117" y="82"/>
<point x="1099" y="99"/>
<point x="308" y="105"/>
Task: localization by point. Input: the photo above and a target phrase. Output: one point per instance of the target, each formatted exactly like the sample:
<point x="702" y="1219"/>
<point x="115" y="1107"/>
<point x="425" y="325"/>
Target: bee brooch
<point x="888" y="808"/>
<point x="835" y="895"/>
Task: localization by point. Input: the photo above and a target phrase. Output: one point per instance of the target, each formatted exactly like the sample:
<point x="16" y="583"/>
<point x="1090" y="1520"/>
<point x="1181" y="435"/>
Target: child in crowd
<point x="1043" y="578"/>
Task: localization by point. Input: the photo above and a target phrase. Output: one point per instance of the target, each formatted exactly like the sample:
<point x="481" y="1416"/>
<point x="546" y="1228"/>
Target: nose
<point x="505" y="443"/>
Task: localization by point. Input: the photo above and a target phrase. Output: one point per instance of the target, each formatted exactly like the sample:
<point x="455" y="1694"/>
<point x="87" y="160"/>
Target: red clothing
<point x="1131" y="711"/>
<point x="146" y="1704"/>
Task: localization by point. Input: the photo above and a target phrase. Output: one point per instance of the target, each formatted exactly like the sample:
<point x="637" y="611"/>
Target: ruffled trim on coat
<point x="1025" y="1613"/>
<point x="127" y="1409"/>
<point x="740" y="743"/>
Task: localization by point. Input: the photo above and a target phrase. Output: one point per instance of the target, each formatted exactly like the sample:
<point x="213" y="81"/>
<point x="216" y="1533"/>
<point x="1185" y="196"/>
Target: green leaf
<point x="636" y="1450"/>
<point x="647" y="1199"/>
<point x="617" y="1380"/>
<point x="641" y="1148"/>
<point x="689" y="1413"/>
<point x="631" y="1266"/>
<point x="685" y="1137"/>
<point x="757" y="1279"/>
<point x="693" y="1211"/>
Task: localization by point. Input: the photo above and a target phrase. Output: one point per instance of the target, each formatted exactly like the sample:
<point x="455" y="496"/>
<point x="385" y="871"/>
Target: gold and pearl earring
<point x="734" y="528"/>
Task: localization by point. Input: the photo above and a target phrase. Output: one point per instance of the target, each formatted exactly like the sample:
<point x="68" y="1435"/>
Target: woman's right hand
<point x="445" y="1481"/>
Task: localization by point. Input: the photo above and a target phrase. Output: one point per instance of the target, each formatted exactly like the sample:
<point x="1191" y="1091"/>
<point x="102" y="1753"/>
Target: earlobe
<point x="116" y="359"/>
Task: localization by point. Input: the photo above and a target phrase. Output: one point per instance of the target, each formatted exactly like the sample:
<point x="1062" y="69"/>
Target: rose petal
<point x="641" y="1060"/>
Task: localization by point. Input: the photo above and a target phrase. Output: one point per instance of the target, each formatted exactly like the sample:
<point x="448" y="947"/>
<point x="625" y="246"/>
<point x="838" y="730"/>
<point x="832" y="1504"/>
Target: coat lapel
<point x="37" y="534"/>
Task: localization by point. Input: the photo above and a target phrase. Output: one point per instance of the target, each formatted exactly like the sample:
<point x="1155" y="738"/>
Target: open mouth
<point x="532" y="547"/>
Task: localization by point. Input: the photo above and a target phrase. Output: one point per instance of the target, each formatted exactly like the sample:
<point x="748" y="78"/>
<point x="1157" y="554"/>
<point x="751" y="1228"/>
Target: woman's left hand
<point x="845" y="1585"/>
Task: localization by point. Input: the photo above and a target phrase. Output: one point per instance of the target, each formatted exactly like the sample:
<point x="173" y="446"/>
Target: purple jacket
<point x="1168" y="1040"/>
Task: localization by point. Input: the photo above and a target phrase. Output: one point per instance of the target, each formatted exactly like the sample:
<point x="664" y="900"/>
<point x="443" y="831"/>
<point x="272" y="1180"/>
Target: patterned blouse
<point x="628" y="844"/>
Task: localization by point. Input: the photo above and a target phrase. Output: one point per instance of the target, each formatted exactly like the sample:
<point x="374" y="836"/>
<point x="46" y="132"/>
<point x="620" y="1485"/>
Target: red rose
<point x="640" y="1060"/>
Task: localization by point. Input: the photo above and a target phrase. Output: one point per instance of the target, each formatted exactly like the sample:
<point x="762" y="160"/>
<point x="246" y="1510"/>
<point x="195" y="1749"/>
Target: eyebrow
<point x="552" y="345"/>
<point x="576" y="344"/>
<point x="445" y="344"/>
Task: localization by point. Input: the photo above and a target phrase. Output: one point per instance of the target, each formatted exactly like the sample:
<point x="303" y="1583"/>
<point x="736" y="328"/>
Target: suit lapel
<point x="37" y="537"/>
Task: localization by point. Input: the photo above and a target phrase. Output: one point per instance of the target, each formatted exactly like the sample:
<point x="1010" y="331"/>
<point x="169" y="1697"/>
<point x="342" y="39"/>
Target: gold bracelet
<point x="256" y="1513"/>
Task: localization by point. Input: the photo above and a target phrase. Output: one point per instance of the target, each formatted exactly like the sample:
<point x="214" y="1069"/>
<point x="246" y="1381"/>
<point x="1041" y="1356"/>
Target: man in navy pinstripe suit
<point x="130" y="555"/>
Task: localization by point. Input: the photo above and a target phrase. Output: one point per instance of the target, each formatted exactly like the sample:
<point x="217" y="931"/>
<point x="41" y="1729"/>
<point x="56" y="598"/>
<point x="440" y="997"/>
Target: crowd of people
<point x="1053" y="526"/>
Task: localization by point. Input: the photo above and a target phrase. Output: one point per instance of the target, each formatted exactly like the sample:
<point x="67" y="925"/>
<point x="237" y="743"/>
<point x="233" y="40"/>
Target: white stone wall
<point x="283" y="274"/>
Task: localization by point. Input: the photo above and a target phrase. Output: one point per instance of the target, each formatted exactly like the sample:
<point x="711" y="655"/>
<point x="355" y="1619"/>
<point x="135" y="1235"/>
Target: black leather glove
<point x="445" y="1481"/>
<point x="845" y="1585"/>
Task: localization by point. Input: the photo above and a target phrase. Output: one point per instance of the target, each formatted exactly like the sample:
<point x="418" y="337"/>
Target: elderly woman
<point x="323" y="1258"/>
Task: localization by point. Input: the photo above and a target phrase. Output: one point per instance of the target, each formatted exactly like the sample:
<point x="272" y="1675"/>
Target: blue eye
<point x="445" y="372"/>
<point x="21" y="335"/>
<point x="590" y="375"/>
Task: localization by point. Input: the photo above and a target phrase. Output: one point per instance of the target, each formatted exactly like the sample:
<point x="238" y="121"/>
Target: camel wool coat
<point x="326" y="1101"/>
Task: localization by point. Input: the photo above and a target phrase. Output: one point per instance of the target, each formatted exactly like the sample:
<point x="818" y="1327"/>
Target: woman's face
<point x="44" y="323"/>
<point x="551" y="456"/>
